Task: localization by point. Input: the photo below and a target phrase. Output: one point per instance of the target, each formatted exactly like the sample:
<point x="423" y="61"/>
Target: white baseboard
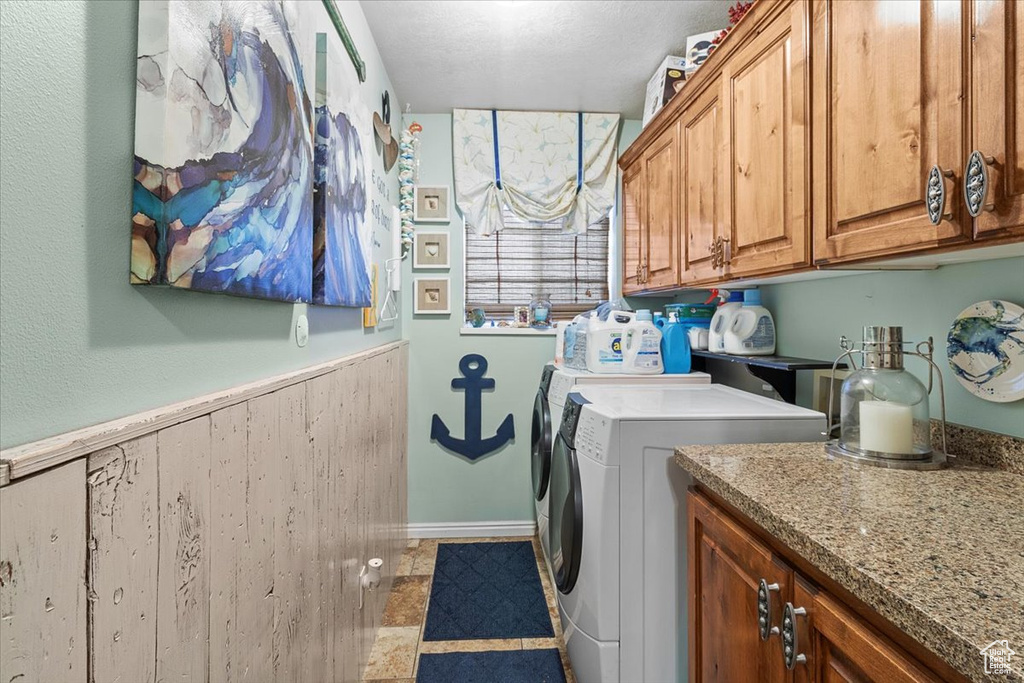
<point x="472" y="529"/>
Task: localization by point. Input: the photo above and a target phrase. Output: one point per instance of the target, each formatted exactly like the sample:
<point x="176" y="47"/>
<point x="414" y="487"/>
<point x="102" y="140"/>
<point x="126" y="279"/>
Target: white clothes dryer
<point x="617" y="527"/>
<point x="555" y="385"/>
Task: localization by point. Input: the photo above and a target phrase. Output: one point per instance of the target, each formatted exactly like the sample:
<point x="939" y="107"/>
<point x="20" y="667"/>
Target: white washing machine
<point x="620" y="569"/>
<point x="555" y="385"/>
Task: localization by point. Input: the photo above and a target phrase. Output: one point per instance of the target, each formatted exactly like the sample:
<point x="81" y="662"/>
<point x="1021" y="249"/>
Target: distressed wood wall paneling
<point x="183" y="570"/>
<point x="122" y="561"/>
<point x="226" y="547"/>
<point x="21" y="461"/>
<point x="295" y="544"/>
<point x="346" y="473"/>
<point x="401" y="405"/>
<point x="42" y="577"/>
<point x="243" y="475"/>
<point x="321" y="409"/>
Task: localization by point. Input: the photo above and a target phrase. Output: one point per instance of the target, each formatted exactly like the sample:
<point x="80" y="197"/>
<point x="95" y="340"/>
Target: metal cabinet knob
<point x="764" y="609"/>
<point x="976" y="183"/>
<point x="791" y="655"/>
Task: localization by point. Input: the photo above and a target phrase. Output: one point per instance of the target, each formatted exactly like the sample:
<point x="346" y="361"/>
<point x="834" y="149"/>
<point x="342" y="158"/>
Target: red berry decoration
<point x="737" y="11"/>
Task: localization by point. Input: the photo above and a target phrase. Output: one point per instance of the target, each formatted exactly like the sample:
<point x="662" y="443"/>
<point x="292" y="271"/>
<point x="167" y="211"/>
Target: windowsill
<point x="507" y="331"/>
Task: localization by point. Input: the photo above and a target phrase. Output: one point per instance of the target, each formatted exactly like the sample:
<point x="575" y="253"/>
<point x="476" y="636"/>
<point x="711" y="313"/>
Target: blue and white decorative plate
<point x="985" y="347"/>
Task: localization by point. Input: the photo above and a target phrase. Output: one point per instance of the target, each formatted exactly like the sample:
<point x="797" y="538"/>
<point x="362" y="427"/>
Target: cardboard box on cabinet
<point x="665" y="83"/>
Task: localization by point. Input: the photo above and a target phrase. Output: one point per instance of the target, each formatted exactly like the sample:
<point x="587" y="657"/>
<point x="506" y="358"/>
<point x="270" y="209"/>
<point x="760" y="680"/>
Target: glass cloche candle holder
<point x="884" y="414"/>
<point x="540" y="312"/>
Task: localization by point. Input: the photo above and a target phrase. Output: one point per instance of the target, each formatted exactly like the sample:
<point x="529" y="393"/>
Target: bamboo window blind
<point x="509" y="268"/>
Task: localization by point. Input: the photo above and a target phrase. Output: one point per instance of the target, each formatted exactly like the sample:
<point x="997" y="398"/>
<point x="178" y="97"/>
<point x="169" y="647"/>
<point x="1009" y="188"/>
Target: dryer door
<point x="540" y="445"/>
<point x="566" y="505"/>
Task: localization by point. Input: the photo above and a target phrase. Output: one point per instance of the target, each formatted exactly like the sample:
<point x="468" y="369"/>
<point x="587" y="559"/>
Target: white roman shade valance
<point x="546" y="167"/>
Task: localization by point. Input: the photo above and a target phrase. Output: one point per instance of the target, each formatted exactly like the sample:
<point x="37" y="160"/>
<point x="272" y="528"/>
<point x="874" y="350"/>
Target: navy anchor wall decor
<point x="473" y="368"/>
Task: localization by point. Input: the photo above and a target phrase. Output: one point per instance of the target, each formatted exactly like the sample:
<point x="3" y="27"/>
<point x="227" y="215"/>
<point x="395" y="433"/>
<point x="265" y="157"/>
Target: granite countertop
<point x="939" y="554"/>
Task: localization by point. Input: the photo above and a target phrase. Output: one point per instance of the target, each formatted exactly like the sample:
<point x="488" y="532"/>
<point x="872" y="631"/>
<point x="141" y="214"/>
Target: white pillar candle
<point x="886" y="427"/>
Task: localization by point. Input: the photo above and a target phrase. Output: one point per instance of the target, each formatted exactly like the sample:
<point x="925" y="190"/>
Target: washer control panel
<point x="561" y="385"/>
<point x="593" y="436"/>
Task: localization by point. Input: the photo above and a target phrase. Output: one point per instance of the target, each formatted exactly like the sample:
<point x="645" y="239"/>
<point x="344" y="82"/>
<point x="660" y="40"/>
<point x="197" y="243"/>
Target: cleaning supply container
<point x="641" y="346"/>
<point x="675" y="347"/>
<point x="604" y="341"/>
<point x="752" y="331"/>
<point x="692" y="312"/>
<point x="721" y="321"/>
<point x="576" y="342"/>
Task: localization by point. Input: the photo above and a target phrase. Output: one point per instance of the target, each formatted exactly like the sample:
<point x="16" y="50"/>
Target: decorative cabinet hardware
<point x="976" y="183"/>
<point x="790" y="644"/>
<point x="764" y="609"/>
<point x="721" y="253"/>
<point x="935" y="195"/>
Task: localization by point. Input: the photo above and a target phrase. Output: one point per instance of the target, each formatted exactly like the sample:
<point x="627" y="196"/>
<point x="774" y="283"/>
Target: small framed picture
<point x="521" y="316"/>
<point x="431" y="250"/>
<point x="431" y="204"/>
<point x="432" y="296"/>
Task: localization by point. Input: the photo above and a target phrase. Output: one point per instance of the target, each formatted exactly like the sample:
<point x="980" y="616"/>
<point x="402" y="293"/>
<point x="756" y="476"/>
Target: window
<point x="511" y="267"/>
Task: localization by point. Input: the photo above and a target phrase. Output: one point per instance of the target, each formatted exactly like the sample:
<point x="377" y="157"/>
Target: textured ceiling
<point x="547" y="55"/>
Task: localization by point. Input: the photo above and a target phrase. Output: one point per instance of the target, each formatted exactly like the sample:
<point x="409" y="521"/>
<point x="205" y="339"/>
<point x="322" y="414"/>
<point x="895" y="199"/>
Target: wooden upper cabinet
<point x="701" y="135"/>
<point x="660" y="235"/>
<point x="841" y="648"/>
<point x="997" y="112"/>
<point x="726" y="567"/>
<point x="888" y="106"/>
<point x="766" y="183"/>
<point x="632" y="228"/>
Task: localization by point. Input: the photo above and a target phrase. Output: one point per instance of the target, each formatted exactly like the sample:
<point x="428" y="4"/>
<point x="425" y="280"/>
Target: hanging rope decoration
<point x="408" y="175"/>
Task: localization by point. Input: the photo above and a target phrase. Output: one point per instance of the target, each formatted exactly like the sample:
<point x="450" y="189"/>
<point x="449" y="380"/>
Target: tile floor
<point x="395" y="654"/>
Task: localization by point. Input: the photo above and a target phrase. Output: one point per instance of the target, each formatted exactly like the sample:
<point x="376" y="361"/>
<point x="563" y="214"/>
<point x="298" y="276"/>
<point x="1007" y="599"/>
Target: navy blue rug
<point x="512" y="666"/>
<point x="486" y="590"/>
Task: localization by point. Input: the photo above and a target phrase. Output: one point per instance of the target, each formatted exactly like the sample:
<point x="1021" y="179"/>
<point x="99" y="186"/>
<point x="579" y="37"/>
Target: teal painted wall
<point x="78" y="344"/>
<point x="443" y="487"/>
<point x="811" y="316"/>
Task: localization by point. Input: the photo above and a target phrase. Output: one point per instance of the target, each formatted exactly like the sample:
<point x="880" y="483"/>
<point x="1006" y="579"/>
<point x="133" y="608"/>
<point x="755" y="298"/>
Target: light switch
<point x="302" y="330"/>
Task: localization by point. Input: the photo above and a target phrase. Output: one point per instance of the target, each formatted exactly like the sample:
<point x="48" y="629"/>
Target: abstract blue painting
<point x="223" y="191"/>
<point x="341" y="221"/>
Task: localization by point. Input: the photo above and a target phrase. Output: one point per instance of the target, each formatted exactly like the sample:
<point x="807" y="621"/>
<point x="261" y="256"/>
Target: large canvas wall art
<point x="342" y="271"/>
<point x="223" y="193"/>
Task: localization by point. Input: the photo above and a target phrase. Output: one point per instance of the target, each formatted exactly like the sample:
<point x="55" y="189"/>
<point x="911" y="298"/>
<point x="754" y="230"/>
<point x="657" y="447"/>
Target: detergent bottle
<point x="641" y="346"/>
<point x="752" y="331"/>
<point x="675" y="347"/>
<point x="721" y="321"/>
<point x="604" y="341"/>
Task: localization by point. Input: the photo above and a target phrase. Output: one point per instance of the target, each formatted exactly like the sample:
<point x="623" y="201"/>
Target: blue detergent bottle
<point x="675" y="347"/>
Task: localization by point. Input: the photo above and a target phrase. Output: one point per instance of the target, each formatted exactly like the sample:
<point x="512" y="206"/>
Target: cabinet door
<point x="701" y="168"/>
<point x="841" y="648"/>
<point x="726" y="567"/>
<point x="632" y="228"/>
<point x="660" y="250"/>
<point x="765" y="107"/>
<point x="887" y="107"/>
<point x="997" y="112"/>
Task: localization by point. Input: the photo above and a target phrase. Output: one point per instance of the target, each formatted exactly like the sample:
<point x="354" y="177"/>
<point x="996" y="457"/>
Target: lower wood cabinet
<point x="727" y="566"/>
<point x="736" y="581"/>
<point x="838" y="646"/>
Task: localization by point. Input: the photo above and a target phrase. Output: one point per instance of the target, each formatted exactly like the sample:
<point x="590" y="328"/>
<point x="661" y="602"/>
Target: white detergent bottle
<point x="721" y="321"/>
<point x="752" y="332"/>
<point x="604" y="342"/>
<point x="641" y="346"/>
